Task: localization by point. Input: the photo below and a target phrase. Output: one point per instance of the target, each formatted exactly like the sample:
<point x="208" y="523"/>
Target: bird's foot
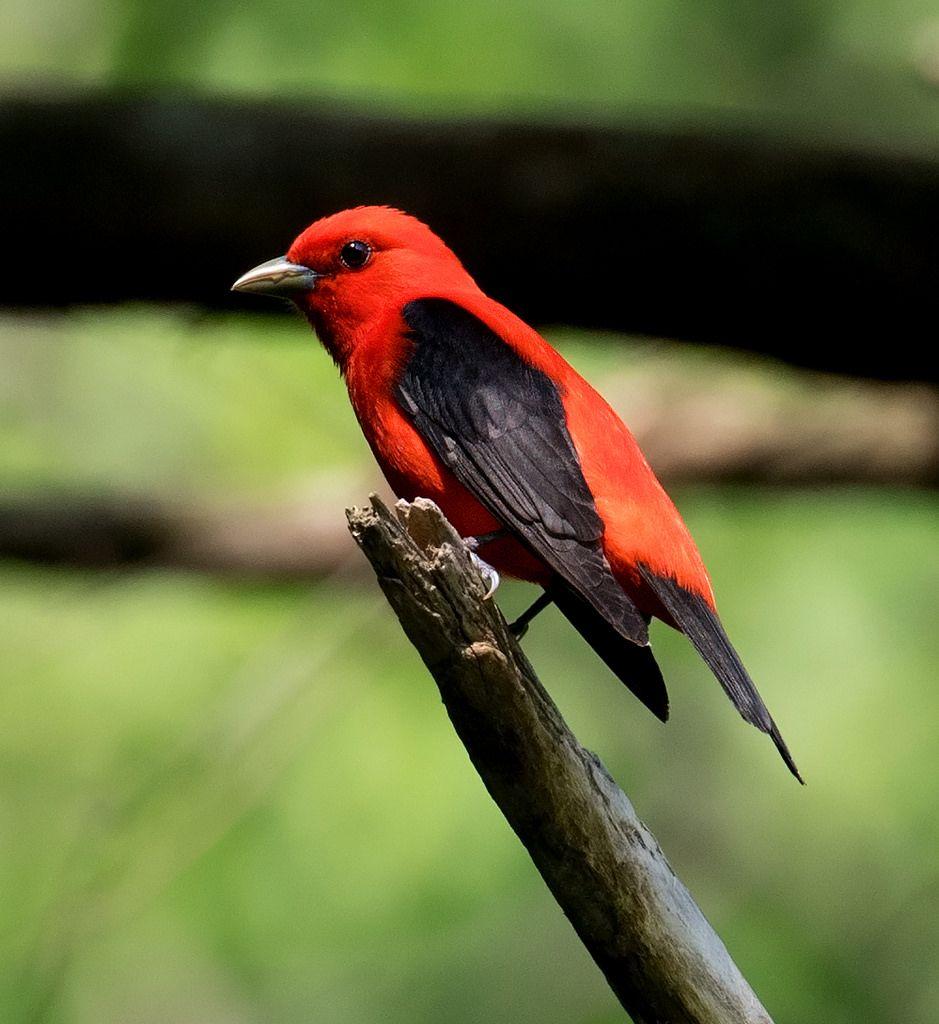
<point x="519" y="627"/>
<point x="490" y="576"/>
<point x="475" y="543"/>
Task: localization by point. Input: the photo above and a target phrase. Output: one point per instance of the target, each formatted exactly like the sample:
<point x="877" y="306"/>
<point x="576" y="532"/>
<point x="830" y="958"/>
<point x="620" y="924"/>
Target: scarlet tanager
<point x="464" y="403"/>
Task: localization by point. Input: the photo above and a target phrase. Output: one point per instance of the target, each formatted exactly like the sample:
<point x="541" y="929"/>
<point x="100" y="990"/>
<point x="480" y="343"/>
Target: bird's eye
<point x="355" y="254"/>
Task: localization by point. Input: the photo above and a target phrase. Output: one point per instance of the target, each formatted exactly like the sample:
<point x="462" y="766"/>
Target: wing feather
<point x="700" y="623"/>
<point x="499" y="424"/>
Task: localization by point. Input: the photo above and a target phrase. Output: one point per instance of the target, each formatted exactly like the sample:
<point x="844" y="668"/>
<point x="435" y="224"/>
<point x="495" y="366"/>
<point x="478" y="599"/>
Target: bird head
<point x="346" y="271"/>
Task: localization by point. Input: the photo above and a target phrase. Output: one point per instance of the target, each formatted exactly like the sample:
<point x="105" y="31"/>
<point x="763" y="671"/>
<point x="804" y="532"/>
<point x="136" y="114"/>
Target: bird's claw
<point x="489" y="575"/>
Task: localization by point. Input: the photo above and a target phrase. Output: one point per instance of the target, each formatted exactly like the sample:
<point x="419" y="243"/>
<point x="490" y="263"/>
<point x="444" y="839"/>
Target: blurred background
<point x="229" y="792"/>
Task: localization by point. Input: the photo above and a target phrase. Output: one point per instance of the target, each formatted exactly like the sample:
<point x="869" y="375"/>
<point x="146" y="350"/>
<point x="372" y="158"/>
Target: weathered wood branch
<point x="815" y="251"/>
<point x="604" y="867"/>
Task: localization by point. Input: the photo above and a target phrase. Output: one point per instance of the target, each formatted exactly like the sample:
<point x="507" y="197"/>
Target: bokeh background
<point x="228" y="790"/>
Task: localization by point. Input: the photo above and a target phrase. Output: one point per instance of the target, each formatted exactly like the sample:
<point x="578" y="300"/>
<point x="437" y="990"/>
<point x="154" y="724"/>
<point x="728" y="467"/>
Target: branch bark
<point x="604" y="867"/>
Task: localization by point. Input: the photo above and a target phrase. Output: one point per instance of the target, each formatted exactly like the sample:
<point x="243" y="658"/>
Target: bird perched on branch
<point x="464" y="403"/>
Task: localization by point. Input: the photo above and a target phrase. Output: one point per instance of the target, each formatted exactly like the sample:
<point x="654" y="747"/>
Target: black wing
<point x="699" y="622"/>
<point x="633" y="665"/>
<point x="499" y="425"/>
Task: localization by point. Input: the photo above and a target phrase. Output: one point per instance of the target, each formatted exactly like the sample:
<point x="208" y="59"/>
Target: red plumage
<point x="358" y="317"/>
<point x="359" y="312"/>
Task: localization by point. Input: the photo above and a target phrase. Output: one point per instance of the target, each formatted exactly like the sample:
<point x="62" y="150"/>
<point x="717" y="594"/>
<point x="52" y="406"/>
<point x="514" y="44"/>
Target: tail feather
<point x="634" y="664"/>
<point x="699" y="622"/>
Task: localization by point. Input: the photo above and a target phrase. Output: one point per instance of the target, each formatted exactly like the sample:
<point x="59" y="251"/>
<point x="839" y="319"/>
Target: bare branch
<point x="817" y="251"/>
<point x="604" y="867"/>
<point x="756" y="422"/>
<point x="285" y="542"/>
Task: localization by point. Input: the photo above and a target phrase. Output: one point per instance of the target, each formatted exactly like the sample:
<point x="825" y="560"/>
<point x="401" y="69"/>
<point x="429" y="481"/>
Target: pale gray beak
<point x="277" y="277"/>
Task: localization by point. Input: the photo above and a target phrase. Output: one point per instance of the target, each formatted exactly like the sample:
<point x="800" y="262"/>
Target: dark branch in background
<point x="693" y="430"/>
<point x="300" y="542"/>
<point x="750" y="423"/>
<point x="820" y="253"/>
<point x="603" y="866"/>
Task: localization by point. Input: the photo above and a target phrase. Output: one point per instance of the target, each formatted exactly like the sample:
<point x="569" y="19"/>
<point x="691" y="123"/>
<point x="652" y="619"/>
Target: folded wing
<point x="498" y="423"/>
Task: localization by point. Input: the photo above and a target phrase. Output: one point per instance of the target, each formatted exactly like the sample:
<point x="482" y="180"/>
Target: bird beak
<point x="277" y="277"/>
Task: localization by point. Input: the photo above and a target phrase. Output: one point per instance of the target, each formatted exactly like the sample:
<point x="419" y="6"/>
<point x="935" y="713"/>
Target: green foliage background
<point x="237" y="802"/>
<point x="860" y="66"/>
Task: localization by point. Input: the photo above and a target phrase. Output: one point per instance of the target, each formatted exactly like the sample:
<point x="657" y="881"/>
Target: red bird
<point x="464" y="403"/>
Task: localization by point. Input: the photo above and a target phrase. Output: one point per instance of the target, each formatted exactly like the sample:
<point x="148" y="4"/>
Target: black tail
<point x="699" y="622"/>
<point x="630" y="662"/>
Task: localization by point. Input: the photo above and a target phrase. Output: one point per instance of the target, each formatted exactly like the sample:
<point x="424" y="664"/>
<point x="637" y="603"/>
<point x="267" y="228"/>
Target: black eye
<point x="355" y="254"/>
